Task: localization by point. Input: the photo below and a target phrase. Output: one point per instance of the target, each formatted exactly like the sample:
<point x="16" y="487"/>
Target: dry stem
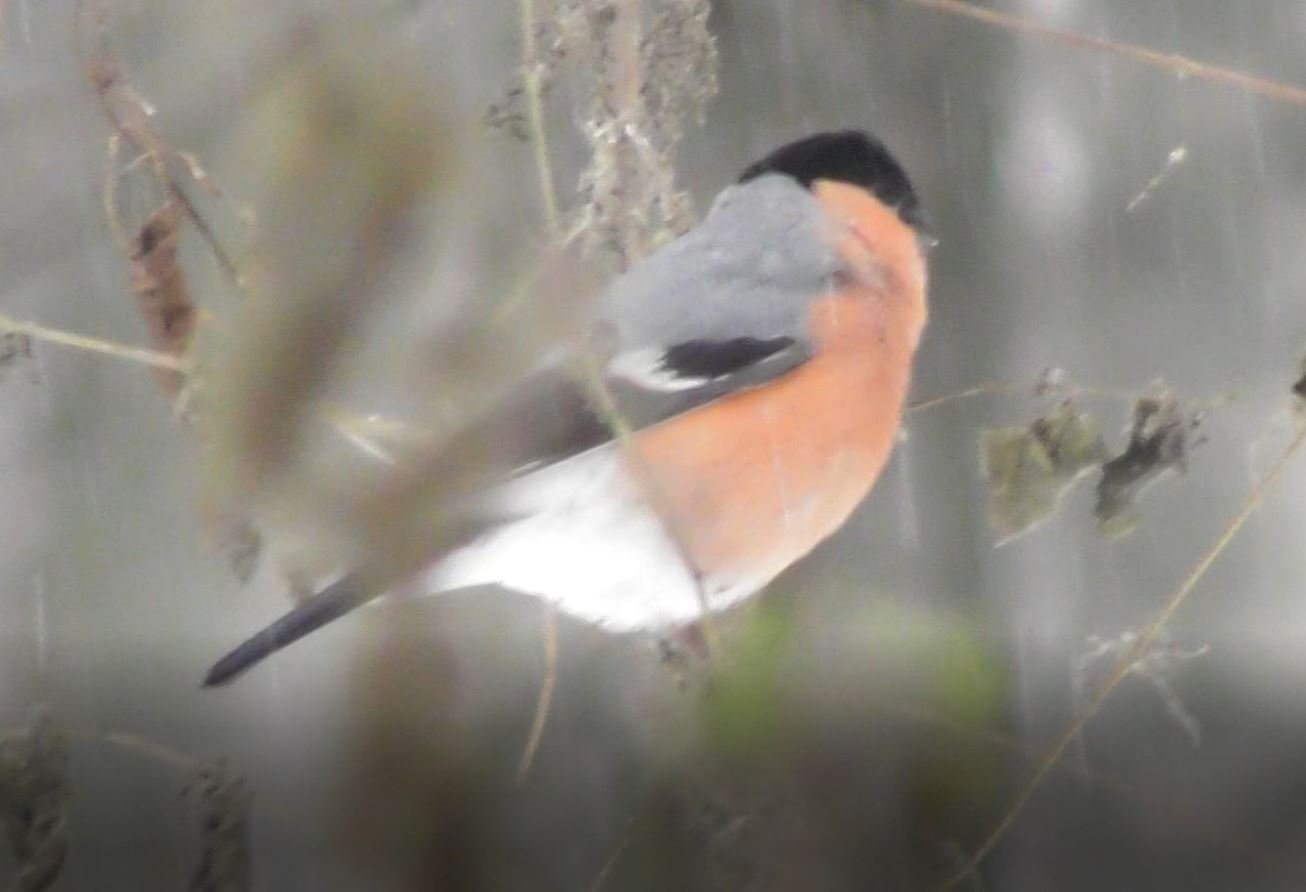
<point x="1172" y="62"/>
<point x="532" y="78"/>
<point x="38" y="332"/>
<point x="547" y="685"/>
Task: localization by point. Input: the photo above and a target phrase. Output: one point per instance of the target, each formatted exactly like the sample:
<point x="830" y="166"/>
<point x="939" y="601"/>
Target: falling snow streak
<point x="1178" y="155"/>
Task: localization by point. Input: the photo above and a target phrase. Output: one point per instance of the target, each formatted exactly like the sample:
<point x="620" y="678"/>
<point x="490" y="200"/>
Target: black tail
<point x="331" y="603"/>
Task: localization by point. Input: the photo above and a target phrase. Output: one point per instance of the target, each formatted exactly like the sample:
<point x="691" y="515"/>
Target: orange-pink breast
<point x="752" y="482"/>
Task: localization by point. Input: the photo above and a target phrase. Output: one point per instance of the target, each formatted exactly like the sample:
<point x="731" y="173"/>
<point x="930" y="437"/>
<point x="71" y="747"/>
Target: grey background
<point x="1026" y="153"/>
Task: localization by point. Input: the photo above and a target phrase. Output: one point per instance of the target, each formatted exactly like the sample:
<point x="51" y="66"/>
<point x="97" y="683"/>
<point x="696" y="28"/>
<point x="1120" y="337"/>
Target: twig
<point x="1146" y="637"/>
<point x="111" y="213"/>
<point x="206" y="231"/>
<point x="151" y="358"/>
<point x="1172" y="62"/>
<point x="610" y="862"/>
<point x="135" y="742"/>
<point x="987" y="387"/>
<point x="1006" y="388"/>
<point x="547" y="685"/>
<point x="533" y="84"/>
<point x="357" y="430"/>
<point x="157" y="751"/>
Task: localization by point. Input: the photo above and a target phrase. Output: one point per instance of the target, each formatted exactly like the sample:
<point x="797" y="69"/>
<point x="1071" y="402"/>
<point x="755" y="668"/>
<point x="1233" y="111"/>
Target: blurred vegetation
<point x="34" y="791"/>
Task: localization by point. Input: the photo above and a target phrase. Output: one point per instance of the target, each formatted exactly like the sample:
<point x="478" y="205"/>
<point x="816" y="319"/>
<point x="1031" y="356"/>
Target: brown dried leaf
<point x="162" y="295"/>
<point x="1158" y="442"/>
<point x="1028" y="469"/>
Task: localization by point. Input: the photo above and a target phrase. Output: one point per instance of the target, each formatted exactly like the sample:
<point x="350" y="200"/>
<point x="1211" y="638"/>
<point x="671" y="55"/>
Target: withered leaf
<point x="163" y="297"/>
<point x="1028" y="469"/>
<point x="1158" y="442"/>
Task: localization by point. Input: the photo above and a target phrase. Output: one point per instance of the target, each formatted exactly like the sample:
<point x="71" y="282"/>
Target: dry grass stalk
<point x="1180" y="66"/>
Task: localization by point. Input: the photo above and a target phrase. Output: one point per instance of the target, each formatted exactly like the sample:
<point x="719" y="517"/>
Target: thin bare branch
<point x="1181" y="66"/>
<point x="38" y="332"/>
<point x="112" y="216"/>
<point x="983" y="389"/>
<point x="610" y="863"/>
<point x="1007" y="388"/>
<point x="145" y="746"/>
<point x="533" y="84"/>
<point x="547" y="685"/>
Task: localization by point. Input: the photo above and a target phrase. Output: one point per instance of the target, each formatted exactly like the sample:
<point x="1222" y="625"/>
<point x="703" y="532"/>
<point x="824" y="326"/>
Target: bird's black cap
<point x="848" y="156"/>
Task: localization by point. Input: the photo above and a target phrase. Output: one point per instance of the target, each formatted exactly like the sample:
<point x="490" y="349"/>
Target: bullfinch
<point x="760" y="361"/>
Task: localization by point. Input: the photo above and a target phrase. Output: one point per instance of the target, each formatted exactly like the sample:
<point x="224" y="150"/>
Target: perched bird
<point x="762" y="360"/>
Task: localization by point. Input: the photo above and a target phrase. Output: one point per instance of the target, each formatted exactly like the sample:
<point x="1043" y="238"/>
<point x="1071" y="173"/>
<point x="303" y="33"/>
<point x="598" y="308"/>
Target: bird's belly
<point x="586" y="540"/>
